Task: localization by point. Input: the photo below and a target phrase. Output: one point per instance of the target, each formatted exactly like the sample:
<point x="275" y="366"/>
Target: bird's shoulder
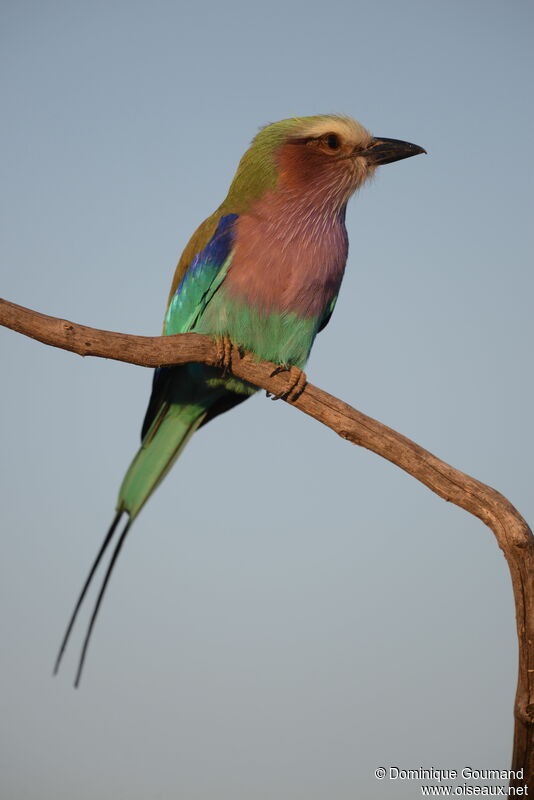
<point x="200" y="239"/>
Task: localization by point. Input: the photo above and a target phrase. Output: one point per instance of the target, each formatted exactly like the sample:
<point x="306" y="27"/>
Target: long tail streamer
<point x="85" y="588"/>
<point x="99" y="599"/>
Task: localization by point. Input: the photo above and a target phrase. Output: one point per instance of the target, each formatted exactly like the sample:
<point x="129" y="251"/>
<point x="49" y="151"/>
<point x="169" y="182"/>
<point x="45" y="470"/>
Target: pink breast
<point x="288" y="258"/>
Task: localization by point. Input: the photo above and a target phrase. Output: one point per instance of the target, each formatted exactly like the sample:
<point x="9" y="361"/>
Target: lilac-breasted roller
<point x="263" y="272"/>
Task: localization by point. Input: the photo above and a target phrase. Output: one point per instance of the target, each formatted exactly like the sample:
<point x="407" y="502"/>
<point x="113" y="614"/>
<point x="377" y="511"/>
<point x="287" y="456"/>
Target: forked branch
<point x="511" y="531"/>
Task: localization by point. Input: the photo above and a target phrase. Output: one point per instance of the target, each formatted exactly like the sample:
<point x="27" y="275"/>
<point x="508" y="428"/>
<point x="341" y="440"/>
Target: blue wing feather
<point x="200" y="281"/>
<point x="327" y="314"/>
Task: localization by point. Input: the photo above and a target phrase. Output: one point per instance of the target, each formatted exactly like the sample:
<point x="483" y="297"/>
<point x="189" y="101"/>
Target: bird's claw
<point x="224" y="353"/>
<point x="297" y="383"/>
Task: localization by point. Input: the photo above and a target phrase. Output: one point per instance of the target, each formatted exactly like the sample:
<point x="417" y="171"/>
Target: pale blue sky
<point x="290" y="612"/>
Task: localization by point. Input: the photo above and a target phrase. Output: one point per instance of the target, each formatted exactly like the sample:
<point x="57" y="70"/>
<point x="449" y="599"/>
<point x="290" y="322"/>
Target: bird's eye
<point x="332" y="140"/>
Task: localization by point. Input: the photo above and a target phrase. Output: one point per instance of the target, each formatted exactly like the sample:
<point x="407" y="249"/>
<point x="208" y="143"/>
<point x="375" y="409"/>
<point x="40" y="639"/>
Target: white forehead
<point x="346" y="127"/>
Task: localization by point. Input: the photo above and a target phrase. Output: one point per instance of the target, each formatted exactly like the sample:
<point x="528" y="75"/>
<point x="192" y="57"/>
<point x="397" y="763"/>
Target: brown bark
<point x="511" y="531"/>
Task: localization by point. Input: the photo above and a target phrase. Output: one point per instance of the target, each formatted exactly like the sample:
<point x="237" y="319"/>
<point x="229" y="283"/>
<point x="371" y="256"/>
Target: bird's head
<point x="326" y="157"/>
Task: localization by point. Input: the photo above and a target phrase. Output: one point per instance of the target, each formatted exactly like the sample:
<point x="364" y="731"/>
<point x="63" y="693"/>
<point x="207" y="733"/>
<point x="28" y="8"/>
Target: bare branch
<point x="511" y="531"/>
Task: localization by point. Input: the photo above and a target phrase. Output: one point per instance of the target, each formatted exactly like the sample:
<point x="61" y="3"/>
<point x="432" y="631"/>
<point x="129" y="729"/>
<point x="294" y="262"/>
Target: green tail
<point x="180" y="411"/>
<point x="167" y="436"/>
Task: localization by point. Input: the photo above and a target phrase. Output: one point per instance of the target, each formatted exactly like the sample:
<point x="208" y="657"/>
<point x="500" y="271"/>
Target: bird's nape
<point x="105" y="544"/>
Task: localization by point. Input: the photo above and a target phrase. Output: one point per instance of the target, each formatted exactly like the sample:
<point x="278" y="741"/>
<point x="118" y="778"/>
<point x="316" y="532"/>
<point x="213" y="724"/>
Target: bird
<point x="261" y="274"/>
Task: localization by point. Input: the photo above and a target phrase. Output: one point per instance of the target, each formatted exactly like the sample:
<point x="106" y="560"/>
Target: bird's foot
<point x="297" y="383"/>
<point x="224" y="353"/>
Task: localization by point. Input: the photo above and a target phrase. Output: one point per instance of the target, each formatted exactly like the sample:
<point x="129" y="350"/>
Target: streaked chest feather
<point x="288" y="258"/>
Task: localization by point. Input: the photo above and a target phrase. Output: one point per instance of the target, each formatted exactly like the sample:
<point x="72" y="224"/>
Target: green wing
<point x="193" y="292"/>
<point x="201" y="279"/>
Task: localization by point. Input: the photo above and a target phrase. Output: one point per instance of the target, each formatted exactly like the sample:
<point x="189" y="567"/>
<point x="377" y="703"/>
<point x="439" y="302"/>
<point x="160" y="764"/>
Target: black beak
<point x="384" y="151"/>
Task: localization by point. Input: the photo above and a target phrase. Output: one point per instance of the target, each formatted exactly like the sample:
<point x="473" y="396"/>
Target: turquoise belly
<point x="283" y="338"/>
